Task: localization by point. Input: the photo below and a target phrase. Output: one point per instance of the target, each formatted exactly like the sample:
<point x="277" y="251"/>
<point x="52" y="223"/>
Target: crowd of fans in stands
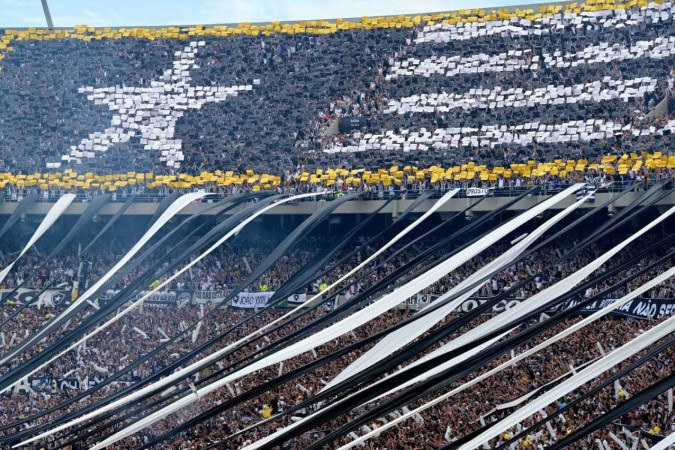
<point x="141" y="331"/>
<point x="303" y="82"/>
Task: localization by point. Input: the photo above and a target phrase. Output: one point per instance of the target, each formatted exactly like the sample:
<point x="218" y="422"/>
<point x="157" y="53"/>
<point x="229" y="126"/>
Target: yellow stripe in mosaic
<point x="87" y="33"/>
<point x="610" y="164"/>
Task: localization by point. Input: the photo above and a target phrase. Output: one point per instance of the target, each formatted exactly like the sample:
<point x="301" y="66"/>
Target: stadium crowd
<point x="141" y="331"/>
<point x="569" y="85"/>
<point x="506" y="103"/>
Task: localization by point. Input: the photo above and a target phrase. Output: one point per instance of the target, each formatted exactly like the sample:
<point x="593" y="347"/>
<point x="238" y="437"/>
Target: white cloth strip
<point x="140" y="301"/>
<point x="457" y="360"/>
<point x="216" y="355"/>
<point x="54" y="213"/>
<point x="542" y="26"/>
<point x="196" y="331"/>
<point x="665" y="443"/>
<point x="170" y="212"/>
<point x="599" y="314"/>
<point x="375" y="309"/>
<point x="372" y="257"/>
<point x="617" y="356"/>
<point x="598" y="91"/>
<point x="521" y="399"/>
<point x="618" y="441"/>
<point x="586" y="321"/>
<point x="603" y="53"/>
<point x="408" y="333"/>
<point x="496" y="135"/>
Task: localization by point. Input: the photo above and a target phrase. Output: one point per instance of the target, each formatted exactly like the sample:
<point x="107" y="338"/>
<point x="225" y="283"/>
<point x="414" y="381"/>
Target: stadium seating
<point x="496" y="88"/>
<point x="165" y="315"/>
<point x="526" y="322"/>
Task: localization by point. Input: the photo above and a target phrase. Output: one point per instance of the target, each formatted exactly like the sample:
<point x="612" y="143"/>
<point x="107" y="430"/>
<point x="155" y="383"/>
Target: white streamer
<point x="618" y="441"/>
<point x="539" y="347"/>
<point x="140" y="301"/>
<point x="521" y="399"/>
<point x="544" y="296"/>
<point x="54" y="213"/>
<point x="408" y="333"/>
<point x="214" y="356"/>
<point x="665" y="443"/>
<point x="457" y="360"/>
<point x="624" y="352"/>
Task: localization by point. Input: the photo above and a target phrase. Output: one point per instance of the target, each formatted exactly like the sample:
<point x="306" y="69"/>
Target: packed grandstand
<point x="448" y="231"/>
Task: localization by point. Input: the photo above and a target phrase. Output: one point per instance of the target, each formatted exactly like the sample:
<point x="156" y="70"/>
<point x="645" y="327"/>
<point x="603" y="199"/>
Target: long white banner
<point x="214" y="356"/>
<point x="52" y="216"/>
<point x="606" y="363"/>
<point x="408" y="333"/>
